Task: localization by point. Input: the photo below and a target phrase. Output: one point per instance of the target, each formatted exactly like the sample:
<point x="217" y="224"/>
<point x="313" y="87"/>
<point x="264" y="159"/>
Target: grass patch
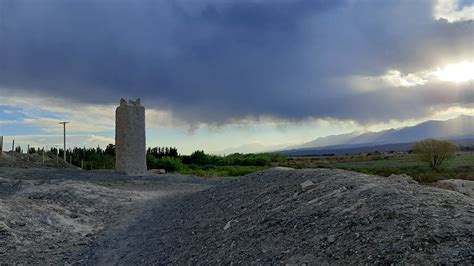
<point x="221" y="171"/>
<point x="459" y="167"/>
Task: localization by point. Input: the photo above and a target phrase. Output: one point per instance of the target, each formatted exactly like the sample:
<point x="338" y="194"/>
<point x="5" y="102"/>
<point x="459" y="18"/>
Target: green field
<point x="461" y="166"/>
<point x="222" y="171"/>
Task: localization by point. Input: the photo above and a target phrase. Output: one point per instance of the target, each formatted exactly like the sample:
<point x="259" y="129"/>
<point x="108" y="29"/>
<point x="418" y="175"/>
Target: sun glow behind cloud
<point x="457" y="72"/>
<point x="461" y="72"/>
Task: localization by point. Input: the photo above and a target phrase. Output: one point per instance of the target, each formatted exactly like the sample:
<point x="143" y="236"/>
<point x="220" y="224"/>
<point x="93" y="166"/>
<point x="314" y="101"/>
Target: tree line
<point x="167" y="158"/>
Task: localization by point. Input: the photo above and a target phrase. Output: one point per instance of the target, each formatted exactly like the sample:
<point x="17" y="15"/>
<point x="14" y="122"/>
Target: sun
<point x="461" y="72"/>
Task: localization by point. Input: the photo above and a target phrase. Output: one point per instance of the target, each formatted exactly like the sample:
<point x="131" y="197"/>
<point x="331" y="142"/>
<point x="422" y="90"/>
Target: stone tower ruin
<point x="130" y="142"/>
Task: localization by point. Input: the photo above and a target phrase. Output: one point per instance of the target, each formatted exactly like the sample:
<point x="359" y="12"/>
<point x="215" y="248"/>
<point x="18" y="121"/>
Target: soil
<point x="72" y="216"/>
<point x="52" y="216"/>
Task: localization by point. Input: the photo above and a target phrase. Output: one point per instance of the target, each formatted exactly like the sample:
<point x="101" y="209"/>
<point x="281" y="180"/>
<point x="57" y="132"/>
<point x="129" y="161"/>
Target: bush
<point x="170" y="164"/>
<point x="221" y="171"/>
<point x="260" y="159"/>
<point x="434" y="152"/>
<point x="197" y="158"/>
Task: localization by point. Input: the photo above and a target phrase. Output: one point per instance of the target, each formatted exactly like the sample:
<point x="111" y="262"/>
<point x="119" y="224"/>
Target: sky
<point x="231" y="75"/>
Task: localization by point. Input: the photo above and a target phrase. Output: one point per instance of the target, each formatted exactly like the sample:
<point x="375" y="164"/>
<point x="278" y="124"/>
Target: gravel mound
<point x="342" y="218"/>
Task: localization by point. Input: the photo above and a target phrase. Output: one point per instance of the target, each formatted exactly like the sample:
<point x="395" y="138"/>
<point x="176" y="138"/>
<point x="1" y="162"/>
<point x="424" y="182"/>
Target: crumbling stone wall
<point x="130" y="140"/>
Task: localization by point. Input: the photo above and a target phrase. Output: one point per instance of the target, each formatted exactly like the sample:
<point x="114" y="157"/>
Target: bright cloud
<point x="461" y="72"/>
<point x="452" y="11"/>
<point x="392" y="78"/>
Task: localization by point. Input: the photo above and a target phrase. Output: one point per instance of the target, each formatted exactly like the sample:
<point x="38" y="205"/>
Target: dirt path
<point x="139" y="240"/>
<point x="57" y="216"/>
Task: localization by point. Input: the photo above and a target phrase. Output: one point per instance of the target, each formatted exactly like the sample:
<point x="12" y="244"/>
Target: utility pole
<point x="64" y="149"/>
<point x="83" y="157"/>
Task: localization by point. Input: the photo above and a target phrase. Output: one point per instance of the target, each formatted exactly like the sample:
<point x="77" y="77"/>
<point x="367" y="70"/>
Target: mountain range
<point x="460" y="128"/>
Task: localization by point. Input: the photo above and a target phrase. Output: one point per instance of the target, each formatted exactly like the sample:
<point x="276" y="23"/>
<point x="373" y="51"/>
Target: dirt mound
<point x="42" y="221"/>
<point x="344" y="217"/>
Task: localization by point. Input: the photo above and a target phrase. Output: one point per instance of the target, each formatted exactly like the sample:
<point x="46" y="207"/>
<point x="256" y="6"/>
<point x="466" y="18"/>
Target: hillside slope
<point x="458" y="128"/>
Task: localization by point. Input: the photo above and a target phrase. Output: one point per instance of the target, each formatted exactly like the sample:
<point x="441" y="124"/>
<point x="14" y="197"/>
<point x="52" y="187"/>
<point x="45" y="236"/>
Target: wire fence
<point x="52" y="155"/>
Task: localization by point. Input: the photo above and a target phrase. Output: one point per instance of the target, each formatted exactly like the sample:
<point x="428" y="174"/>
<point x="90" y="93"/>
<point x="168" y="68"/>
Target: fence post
<point x="1" y="145"/>
<point x="83" y="157"/>
<point x="28" y="153"/>
<point x="13" y="149"/>
<point x="43" y="155"/>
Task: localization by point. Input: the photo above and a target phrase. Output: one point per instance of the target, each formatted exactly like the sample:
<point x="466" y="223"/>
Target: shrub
<point x="198" y="158"/>
<point x="434" y="152"/>
<point x="170" y="164"/>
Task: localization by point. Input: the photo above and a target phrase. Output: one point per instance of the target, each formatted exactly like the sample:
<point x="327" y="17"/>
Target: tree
<point x="110" y="150"/>
<point x="199" y="158"/>
<point x="434" y="152"/>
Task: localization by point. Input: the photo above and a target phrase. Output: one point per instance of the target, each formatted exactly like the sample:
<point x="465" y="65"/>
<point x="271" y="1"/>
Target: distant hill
<point x="457" y="129"/>
<point x="249" y="148"/>
<point x="329" y="140"/>
<point x="361" y="148"/>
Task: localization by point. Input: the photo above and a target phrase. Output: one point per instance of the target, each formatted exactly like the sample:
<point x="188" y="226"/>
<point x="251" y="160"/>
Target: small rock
<point x="465" y="187"/>
<point x="307" y="185"/>
<point x="228" y="225"/>
<point x="331" y="238"/>
<point x="157" y="171"/>
<point x="403" y="178"/>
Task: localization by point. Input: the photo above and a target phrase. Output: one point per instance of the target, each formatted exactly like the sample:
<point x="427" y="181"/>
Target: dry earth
<point x="51" y="216"/>
<point x="73" y="216"/>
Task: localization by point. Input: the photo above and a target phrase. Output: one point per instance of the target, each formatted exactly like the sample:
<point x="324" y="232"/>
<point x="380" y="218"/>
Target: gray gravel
<point x="54" y="216"/>
<point x="266" y="217"/>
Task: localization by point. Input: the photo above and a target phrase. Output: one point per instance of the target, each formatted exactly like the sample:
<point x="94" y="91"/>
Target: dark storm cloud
<point x="214" y="61"/>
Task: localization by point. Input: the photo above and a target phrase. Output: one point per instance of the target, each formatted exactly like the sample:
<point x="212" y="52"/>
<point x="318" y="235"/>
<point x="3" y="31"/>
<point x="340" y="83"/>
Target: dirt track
<point x="57" y="215"/>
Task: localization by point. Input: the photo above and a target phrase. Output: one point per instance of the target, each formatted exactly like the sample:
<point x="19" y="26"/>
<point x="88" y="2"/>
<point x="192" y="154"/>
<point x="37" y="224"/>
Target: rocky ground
<point x="52" y="216"/>
<point x="339" y="217"/>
